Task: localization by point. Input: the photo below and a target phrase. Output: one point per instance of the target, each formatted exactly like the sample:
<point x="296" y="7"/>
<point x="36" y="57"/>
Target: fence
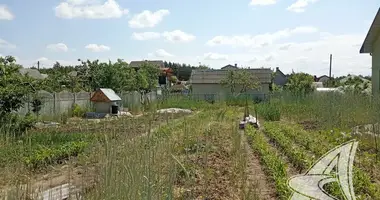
<point x="59" y="103"/>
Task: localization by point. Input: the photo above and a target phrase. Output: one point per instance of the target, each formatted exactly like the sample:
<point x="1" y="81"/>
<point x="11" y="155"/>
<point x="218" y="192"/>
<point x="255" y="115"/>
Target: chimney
<point x="235" y="65"/>
<point x="277" y="69"/>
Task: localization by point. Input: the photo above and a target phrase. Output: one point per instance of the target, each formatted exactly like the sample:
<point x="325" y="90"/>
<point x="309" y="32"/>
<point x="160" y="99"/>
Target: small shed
<point x="106" y="101"/>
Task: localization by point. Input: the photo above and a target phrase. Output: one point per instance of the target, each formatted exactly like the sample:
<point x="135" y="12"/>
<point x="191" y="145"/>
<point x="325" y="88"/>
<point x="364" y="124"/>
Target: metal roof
<point x="372" y="35"/>
<point x="110" y="94"/>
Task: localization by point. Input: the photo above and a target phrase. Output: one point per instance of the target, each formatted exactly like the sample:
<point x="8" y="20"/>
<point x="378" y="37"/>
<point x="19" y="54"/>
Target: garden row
<point x="303" y="148"/>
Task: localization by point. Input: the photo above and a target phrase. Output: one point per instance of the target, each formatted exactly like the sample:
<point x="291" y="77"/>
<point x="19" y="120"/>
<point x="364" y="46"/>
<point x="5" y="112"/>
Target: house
<point x="34" y="73"/>
<point x="323" y="79"/>
<point x="280" y="78"/>
<point x="230" y="67"/>
<point x="163" y="79"/>
<point x="105" y="101"/>
<point x="137" y="64"/>
<point x="371" y="45"/>
<point x="206" y="83"/>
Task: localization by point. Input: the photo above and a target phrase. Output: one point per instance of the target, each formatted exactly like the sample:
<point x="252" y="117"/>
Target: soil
<point x="256" y="176"/>
<point x="309" y="125"/>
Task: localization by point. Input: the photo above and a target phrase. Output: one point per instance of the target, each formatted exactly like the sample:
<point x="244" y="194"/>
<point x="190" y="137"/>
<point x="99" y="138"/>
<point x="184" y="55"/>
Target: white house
<point x="371" y="45"/>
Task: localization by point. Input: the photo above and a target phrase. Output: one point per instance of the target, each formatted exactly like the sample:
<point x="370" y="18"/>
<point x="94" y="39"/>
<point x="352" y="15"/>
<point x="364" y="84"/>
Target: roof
<point x="281" y="73"/>
<point x="34" y="73"/>
<point x="137" y="64"/>
<point x="212" y="76"/>
<point x="109" y="95"/>
<point x="323" y="76"/>
<point x="372" y="35"/>
<point x="230" y="66"/>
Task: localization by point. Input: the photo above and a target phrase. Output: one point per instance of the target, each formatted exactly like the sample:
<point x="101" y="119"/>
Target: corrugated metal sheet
<point x="215" y="76"/>
<point x="372" y="35"/>
<point x="158" y="63"/>
<point x="110" y="94"/>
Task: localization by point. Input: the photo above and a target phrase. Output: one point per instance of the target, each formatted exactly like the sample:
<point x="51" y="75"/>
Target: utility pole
<point x="38" y="65"/>
<point x="330" y="65"/>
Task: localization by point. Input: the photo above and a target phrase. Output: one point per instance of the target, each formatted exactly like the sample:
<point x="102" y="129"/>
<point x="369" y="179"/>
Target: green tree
<point x="240" y="81"/>
<point x="15" y="90"/>
<point x="300" y="84"/>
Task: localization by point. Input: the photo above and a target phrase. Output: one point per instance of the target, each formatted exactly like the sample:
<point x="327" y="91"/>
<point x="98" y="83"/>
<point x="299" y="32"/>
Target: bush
<point x="78" y="111"/>
<point x="16" y="124"/>
<point x="268" y="111"/>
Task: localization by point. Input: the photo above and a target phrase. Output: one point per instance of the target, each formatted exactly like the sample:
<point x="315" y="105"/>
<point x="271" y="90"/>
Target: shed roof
<point x="212" y="76"/>
<point x="137" y="64"/>
<point x="372" y="35"/>
<point x="105" y="95"/>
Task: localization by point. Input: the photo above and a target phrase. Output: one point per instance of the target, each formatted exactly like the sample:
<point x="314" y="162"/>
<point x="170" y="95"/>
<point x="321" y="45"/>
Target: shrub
<point x="269" y="111"/>
<point x="78" y="111"/>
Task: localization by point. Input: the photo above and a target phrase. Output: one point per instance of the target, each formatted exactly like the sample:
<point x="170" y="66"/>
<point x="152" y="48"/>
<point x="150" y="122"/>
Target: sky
<point x="294" y="35"/>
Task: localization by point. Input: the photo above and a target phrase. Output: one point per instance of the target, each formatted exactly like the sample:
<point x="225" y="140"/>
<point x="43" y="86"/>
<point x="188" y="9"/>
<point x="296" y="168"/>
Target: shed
<point x="106" y="101"/>
<point x="371" y="45"/>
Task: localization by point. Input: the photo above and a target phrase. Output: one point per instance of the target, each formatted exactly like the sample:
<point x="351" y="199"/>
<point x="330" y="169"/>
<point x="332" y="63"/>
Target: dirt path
<point x="257" y="180"/>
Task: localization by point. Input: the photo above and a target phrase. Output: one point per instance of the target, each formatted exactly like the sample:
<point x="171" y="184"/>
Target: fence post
<point x="54" y="106"/>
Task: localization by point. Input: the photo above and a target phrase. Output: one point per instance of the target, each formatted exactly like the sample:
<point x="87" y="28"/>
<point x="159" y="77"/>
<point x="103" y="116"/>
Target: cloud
<point x="4" y="44"/>
<point x="162" y="53"/>
<point x="178" y="36"/>
<point x="97" y="48"/>
<point x="262" y="2"/>
<point x="5" y="13"/>
<point x="58" y="47"/>
<point x="261" y="39"/>
<point x="146" y="36"/>
<point x="215" y="56"/>
<point x="147" y="19"/>
<point x="285" y="46"/>
<point x="89" y="9"/>
<point x="300" y="5"/>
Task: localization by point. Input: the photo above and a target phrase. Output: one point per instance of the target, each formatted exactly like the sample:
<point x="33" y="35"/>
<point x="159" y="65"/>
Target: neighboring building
<point x="34" y="73"/>
<point x="163" y="79"/>
<point x="323" y="79"/>
<point x="106" y="101"/>
<point x="280" y="78"/>
<point x="137" y="64"/>
<point x="206" y="83"/>
<point x="317" y="84"/>
<point x="371" y="45"/>
<point x="227" y="67"/>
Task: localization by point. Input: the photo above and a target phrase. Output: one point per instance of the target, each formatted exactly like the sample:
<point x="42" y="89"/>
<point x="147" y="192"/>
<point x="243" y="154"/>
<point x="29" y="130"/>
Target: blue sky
<point x="294" y="35"/>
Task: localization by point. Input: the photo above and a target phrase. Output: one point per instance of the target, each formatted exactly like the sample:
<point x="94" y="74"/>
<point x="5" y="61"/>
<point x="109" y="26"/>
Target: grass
<point x="197" y="157"/>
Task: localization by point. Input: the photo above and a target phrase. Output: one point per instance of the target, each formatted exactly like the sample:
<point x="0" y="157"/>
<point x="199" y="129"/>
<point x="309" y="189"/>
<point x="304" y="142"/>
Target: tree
<point x="146" y="80"/>
<point x="241" y="81"/>
<point x="300" y="84"/>
<point x="14" y="87"/>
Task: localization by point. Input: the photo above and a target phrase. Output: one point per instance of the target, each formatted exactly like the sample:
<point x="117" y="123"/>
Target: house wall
<point x="323" y="79"/>
<point x="280" y="79"/>
<point x="376" y="67"/>
<point x="103" y="107"/>
<point x="204" y="90"/>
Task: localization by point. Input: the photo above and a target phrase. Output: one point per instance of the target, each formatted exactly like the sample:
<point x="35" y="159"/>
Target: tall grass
<point x="330" y="110"/>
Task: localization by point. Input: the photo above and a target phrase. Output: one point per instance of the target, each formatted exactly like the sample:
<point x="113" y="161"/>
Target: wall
<point x="59" y="103"/>
<point x="203" y="91"/>
<point x="280" y="79"/>
<point x="376" y="67"/>
<point x="103" y="107"/>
